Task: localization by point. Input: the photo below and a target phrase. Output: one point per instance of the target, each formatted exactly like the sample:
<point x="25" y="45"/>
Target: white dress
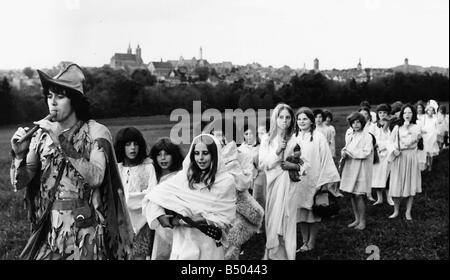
<point x="381" y="169"/>
<point x="162" y="245"/>
<point x="321" y="172"/>
<point x="406" y="179"/>
<point x="357" y="172"/>
<point x="429" y="134"/>
<point x="280" y="220"/>
<point x="329" y="133"/>
<point x="135" y="180"/>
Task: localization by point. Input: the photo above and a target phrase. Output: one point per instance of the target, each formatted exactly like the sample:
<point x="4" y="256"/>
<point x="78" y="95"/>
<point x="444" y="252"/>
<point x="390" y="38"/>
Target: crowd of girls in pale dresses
<point x="173" y="198"/>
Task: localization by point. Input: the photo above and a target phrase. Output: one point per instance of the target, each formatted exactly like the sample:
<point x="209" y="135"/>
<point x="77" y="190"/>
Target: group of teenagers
<point x="90" y="195"/>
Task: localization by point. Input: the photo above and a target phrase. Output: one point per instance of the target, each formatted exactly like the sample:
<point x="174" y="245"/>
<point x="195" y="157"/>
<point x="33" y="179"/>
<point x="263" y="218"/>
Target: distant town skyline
<point x="381" y="33"/>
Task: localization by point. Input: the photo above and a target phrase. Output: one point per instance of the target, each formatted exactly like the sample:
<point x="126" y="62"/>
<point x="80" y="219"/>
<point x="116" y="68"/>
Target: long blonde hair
<point x="273" y="121"/>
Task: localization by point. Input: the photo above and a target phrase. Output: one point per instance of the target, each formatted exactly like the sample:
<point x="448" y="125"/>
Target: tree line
<point x="114" y="93"/>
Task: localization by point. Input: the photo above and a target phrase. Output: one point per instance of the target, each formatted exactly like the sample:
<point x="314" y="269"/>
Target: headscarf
<point x="217" y="205"/>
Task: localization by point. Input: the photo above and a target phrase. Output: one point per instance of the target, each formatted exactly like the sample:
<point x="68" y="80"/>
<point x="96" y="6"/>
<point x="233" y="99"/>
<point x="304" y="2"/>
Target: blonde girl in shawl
<point x="136" y="170"/>
<point x="201" y="191"/>
<point x="405" y="180"/>
<point x="280" y="220"/>
<point x="322" y="173"/>
<point x="429" y="133"/>
<point x="357" y="172"/>
<point x="167" y="159"/>
<point x="381" y="169"/>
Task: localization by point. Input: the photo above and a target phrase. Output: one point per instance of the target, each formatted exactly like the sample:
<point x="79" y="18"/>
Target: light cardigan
<point x="135" y="181"/>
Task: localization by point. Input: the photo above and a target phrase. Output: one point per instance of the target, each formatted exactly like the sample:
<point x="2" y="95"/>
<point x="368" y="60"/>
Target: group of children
<point x="283" y="165"/>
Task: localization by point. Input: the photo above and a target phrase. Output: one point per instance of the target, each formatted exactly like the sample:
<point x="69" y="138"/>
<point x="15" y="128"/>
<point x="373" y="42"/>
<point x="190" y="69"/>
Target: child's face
<point x="164" y="159"/>
<point x="131" y="149"/>
<point x="249" y="137"/>
<point x="356" y="125"/>
<point x="319" y="119"/>
<point x="419" y="110"/>
<point x="430" y="111"/>
<point x="407" y="115"/>
<point x="382" y="115"/>
<point x="328" y="121"/>
<point x="303" y="122"/>
<point x="202" y="156"/>
<point x="297" y="154"/>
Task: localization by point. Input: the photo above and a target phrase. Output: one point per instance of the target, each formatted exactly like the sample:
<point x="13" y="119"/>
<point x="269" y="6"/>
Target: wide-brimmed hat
<point x="71" y="77"/>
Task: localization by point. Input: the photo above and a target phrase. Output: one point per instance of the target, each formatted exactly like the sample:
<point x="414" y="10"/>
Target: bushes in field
<point x="114" y="93"/>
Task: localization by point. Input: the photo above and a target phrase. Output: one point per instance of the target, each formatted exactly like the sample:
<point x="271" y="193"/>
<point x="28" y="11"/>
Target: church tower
<point x="316" y="65"/>
<point x="406" y="65"/>
<point x="129" y="49"/>
<point x="138" y="54"/>
<point x="359" y="65"/>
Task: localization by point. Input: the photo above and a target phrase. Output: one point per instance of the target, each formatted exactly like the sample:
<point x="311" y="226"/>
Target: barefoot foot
<point x="354" y="224"/>
<point x="394" y="215"/>
<point x="361" y="226"/>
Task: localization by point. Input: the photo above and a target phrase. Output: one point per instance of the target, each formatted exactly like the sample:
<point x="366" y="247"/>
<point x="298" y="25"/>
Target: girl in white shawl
<point x="168" y="160"/>
<point x="201" y="191"/>
<point x="281" y="238"/>
<point x="322" y="172"/>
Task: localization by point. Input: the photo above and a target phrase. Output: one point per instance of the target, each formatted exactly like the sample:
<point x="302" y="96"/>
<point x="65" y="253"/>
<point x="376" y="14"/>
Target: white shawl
<point x="217" y="205"/>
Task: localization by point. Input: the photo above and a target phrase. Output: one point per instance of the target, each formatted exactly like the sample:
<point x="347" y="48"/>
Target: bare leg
<point x="313" y="229"/>
<point x="305" y="230"/>
<point x="355" y="212"/>
<point x="379" y="197"/>
<point x="389" y="198"/>
<point x="409" y="204"/>
<point x="361" y="206"/>
<point x="396" y="207"/>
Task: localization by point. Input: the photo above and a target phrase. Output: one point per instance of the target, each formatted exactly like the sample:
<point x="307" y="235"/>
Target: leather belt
<point x="68" y="204"/>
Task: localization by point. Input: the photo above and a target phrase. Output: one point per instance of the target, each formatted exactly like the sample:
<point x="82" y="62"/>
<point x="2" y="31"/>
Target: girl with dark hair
<point x="321" y="175"/>
<point x="332" y="134"/>
<point x="137" y="173"/>
<point x="320" y="118"/>
<point x="281" y="239"/>
<point x="405" y="178"/>
<point x="357" y="172"/>
<point x="420" y="107"/>
<point x="68" y="169"/>
<point x="381" y="169"/>
<point x="201" y="191"/>
<point x="167" y="159"/>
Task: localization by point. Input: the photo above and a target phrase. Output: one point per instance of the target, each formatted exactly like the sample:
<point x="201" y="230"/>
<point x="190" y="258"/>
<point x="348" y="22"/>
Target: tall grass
<point x="426" y="237"/>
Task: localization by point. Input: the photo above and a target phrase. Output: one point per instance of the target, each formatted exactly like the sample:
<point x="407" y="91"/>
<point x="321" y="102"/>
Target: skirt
<point x="357" y="176"/>
<point x="405" y="177"/>
<point x="307" y="216"/>
<point x="380" y="173"/>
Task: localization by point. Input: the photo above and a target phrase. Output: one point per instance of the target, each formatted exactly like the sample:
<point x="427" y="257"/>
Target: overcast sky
<point x="382" y="33"/>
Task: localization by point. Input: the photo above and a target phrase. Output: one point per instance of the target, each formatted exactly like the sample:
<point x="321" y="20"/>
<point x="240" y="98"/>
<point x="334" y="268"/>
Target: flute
<point x="35" y="128"/>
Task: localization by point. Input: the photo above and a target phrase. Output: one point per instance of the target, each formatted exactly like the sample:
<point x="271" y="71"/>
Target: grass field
<point x="426" y="237"/>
